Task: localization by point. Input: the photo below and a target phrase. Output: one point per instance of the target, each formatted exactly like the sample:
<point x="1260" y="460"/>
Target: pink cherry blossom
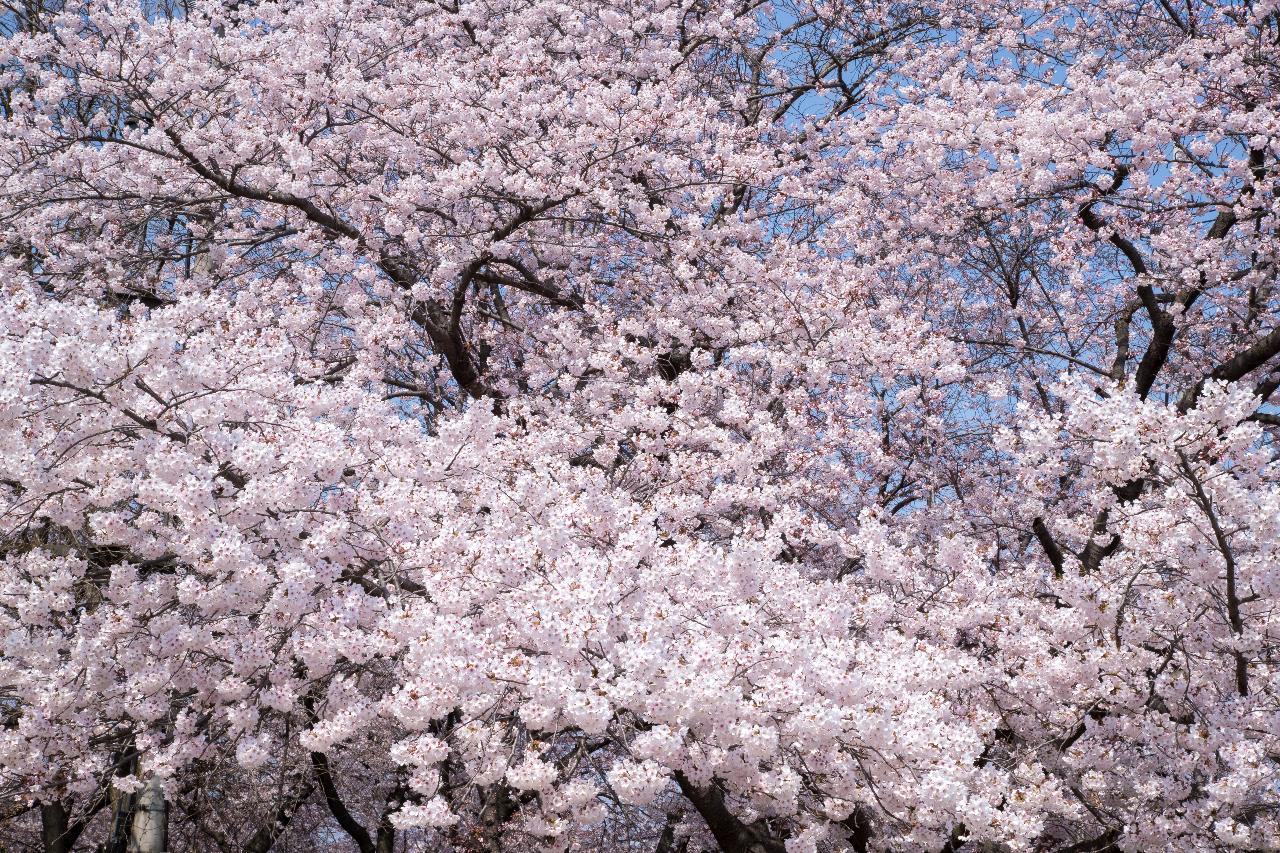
<point x="672" y="425"/>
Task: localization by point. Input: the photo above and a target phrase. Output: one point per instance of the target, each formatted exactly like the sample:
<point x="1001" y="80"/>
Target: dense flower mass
<point x="661" y="425"/>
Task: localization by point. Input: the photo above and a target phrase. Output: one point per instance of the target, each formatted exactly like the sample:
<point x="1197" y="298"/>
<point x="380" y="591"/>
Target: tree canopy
<point x="643" y="425"/>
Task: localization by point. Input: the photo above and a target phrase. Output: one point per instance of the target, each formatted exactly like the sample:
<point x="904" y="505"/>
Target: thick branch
<point x="1237" y="367"/>
<point x="386" y="842"/>
<point x="730" y="833"/>
<point x="1162" y="325"/>
<point x="58" y="831"/>
<point x="266" y="836"/>
<point x="1051" y="549"/>
<point x="337" y="808"/>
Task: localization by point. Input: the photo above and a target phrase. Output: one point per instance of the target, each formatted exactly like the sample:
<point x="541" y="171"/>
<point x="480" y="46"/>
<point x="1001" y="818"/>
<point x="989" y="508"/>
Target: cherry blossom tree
<point x="666" y="425"/>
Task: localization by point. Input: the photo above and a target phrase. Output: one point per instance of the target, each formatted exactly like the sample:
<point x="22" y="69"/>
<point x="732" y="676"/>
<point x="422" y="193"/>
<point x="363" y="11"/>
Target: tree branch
<point x="730" y="833"/>
<point x="337" y="808"/>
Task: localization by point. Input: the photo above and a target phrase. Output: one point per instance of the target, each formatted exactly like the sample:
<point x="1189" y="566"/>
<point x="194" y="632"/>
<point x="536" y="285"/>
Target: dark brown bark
<point x="267" y="835"/>
<point x="337" y="807"/>
<point x="1051" y="548"/>
<point x="731" y="834"/>
<point x="58" y="831"/>
<point x="54" y="828"/>
<point x="1237" y="367"/>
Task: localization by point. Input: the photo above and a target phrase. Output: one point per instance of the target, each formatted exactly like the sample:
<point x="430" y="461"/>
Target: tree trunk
<point x="150" y="820"/>
<point x="54" y="828"/>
